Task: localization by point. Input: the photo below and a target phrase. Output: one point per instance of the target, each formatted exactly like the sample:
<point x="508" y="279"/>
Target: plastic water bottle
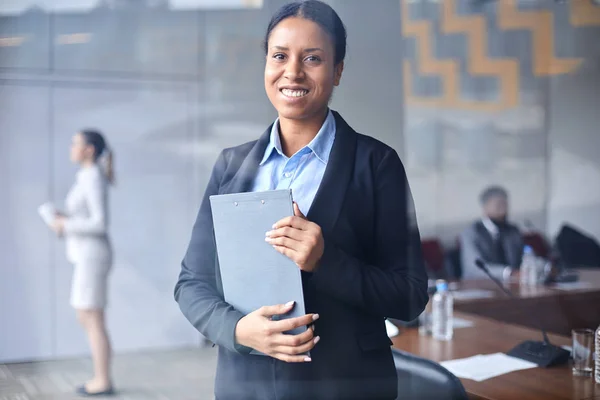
<point x="528" y="274"/>
<point x="442" y="305"/>
<point x="425" y="317"/>
<point x="597" y="361"/>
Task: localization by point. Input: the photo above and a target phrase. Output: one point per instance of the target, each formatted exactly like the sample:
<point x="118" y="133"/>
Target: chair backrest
<point x="577" y="249"/>
<point x="433" y="254"/>
<point x="538" y="243"/>
<point x="419" y="378"/>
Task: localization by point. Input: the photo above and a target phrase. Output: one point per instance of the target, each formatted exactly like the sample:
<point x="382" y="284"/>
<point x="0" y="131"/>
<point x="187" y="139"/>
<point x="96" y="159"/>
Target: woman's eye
<point x="312" y="59"/>
<point x="278" y="56"/>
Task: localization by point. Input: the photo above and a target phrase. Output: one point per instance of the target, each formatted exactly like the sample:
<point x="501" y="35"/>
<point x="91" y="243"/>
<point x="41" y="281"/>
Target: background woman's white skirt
<point x="89" y="286"/>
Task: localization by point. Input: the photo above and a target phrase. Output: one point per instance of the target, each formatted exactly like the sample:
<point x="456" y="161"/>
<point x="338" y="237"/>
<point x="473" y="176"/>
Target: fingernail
<point x="268" y="233"/>
<point x="307" y="359"/>
<point x="315" y="317"/>
<point x="268" y="239"/>
<point x="317" y="339"/>
<point x="274" y="226"/>
<point x="291" y="303"/>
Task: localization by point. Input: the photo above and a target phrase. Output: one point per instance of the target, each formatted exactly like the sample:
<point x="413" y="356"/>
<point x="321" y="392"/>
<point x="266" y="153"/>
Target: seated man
<point x="492" y="239"/>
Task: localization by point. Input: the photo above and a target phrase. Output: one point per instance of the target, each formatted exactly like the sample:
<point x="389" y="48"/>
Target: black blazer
<point x="477" y="242"/>
<point x="371" y="269"/>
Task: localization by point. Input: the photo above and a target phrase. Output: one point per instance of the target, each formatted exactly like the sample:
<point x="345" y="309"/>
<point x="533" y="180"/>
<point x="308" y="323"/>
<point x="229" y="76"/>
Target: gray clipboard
<point x="253" y="273"/>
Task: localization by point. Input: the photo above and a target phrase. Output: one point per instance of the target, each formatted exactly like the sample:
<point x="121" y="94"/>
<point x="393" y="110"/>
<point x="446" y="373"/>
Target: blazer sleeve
<point x="94" y="191"/>
<point x="196" y="290"/>
<point x="395" y="285"/>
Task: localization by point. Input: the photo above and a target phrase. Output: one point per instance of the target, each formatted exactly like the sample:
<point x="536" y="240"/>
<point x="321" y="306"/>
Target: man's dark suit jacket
<point x="476" y="242"/>
<point x="371" y="269"/>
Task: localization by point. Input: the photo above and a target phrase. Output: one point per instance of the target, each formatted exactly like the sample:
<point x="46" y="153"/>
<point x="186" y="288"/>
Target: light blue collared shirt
<point x="301" y="172"/>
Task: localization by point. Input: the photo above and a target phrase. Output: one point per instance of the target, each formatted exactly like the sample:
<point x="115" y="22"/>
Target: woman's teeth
<point x="294" y="93"/>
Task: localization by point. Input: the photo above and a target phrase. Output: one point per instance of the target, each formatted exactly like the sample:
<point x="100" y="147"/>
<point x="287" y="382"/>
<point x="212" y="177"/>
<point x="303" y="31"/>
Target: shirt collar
<point x="490" y="226"/>
<point x="321" y="145"/>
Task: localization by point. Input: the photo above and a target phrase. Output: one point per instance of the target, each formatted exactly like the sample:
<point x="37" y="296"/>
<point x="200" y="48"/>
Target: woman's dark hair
<point x="95" y="139"/>
<point x="318" y="12"/>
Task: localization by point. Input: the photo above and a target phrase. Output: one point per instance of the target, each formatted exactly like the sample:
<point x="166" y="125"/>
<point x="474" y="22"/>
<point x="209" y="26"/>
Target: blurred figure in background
<point x="84" y="226"/>
<point x="492" y="239"/>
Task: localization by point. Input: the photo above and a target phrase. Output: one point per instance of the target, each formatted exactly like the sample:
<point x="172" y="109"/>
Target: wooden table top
<point x="589" y="277"/>
<point x="556" y="310"/>
<point x="489" y="336"/>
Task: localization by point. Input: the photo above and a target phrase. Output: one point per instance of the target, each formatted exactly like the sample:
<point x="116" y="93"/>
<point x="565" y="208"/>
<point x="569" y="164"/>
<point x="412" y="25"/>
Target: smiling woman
<point x="353" y="235"/>
<point x="305" y="47"/>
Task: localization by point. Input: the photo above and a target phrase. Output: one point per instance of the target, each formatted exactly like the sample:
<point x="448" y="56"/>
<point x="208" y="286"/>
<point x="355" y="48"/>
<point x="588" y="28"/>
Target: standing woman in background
<point x="353" y="235"/>
<point x="88" y="247"/>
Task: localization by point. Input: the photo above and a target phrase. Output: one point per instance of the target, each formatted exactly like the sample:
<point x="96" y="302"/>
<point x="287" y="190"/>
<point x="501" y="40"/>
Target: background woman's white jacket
<point x="86" y="227"/>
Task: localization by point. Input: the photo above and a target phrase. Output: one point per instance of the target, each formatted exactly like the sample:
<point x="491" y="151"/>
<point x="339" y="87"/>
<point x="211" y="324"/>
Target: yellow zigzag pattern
<point x="427" y="63"/>
<point x="541" y="24"/>
<point x="506" y="69"/>
<point x="584" y="13"/>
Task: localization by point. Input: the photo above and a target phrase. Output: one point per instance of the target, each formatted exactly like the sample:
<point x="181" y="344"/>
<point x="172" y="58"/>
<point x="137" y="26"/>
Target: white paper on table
<point x="467" y="294"/>
<point x="486" y="366"/>
<point x="391" y="329"/>
<point x="48" y="212"/>
<point x="458" y="323"/>
<point x="571" y="285"/>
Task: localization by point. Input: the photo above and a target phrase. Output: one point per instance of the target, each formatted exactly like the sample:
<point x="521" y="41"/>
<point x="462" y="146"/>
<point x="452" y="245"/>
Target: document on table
<point x="468" y="294"/>
<point x="486" y="366"/>
<point x="458" y="323"/>
<point x="572" y="285"/>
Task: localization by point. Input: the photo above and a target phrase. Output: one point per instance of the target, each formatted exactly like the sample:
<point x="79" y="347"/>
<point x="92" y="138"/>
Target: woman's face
<point x="80" y="150"/>
<point x="300" y="71"/>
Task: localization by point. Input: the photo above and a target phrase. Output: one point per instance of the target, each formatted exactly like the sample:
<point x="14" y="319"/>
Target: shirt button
<point x="287" y="174"/>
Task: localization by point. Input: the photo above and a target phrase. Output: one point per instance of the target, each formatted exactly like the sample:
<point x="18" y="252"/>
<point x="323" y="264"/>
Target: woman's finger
<point x="296" y="350"/>
<point x="294" y="222"/>
<point x="289" y="253"/>
<point x="289" y="324"/>
<point x="291" y="359"/>
<point x="283" y="241"/>
<point x="287" y="231"/>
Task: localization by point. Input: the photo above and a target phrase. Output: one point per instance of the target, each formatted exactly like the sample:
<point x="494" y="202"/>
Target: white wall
<point x="141" y="79"/>
<point x="575" y="152"/>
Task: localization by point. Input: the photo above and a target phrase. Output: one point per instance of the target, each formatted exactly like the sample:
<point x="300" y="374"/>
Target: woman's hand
<point x="299" y="239"/>
<point x="58" y="225"/>
<point x="258" y="331"/>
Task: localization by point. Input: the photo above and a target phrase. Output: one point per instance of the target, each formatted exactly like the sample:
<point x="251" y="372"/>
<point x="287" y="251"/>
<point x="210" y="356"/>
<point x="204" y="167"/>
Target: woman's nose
<point x="294" y="70"/>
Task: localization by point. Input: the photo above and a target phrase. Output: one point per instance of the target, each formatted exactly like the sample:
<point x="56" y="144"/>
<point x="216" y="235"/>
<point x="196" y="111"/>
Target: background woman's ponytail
<point x="101" y="150"/>
<point x="109" y="165"/>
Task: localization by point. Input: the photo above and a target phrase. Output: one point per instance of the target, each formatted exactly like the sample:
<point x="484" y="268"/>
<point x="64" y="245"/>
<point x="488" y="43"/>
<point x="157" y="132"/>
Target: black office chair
<point x="419" y="378"/>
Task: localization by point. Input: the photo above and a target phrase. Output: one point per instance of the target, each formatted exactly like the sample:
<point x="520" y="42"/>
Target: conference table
<point x="558" y="309"/>
<point x="488" y="336"/>
<point x="501" y="322"/>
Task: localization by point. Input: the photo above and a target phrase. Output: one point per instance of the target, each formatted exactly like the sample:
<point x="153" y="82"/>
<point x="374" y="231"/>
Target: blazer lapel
<point x="247" y="167"/>
<point x="485" y="239"/>
<point x="328" y="201"/>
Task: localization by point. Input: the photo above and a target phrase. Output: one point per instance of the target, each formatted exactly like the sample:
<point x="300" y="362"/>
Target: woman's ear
<point x="339" y="68"/>
<point x="89" y="152"/>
